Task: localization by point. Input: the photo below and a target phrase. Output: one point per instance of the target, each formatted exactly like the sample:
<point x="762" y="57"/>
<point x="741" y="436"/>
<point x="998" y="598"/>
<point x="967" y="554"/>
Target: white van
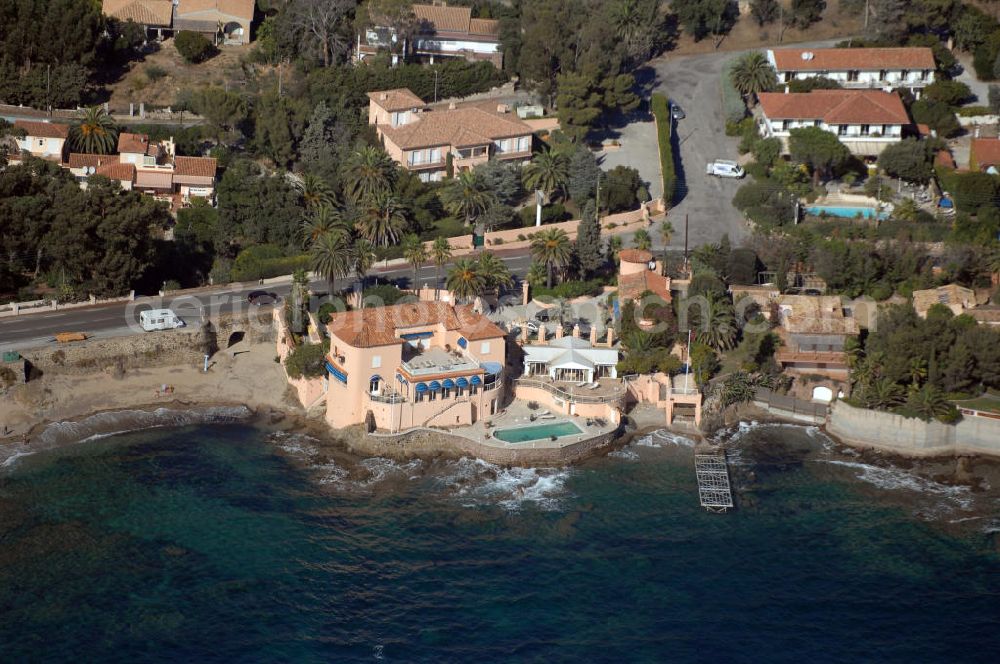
<point x="724" y="168"/>
<point x="159" y="319"/>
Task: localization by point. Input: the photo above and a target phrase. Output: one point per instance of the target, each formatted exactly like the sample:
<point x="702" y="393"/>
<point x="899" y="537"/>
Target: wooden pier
<point x="712" y="472"/>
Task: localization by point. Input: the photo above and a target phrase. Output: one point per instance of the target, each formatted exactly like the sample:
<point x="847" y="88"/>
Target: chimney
<point x="503" y="108"/>
<point x="576" y="331"/>
<point x="559" y="331"/>
<point x="611" y="337"/>
<point x="383" y="96"/>
<point x="593" y="336"/>
<point x="451" y="106"/>
<point x="541" y="335"/>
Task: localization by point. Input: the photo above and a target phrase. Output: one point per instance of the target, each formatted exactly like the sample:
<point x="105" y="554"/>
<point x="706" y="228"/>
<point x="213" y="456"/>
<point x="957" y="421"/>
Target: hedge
<point x="264" y="262"/>
<point x="664" y="129"/>
<point x="734" y="108"/>
<point x="974" y="111"/>
<point x="569" y="290"/>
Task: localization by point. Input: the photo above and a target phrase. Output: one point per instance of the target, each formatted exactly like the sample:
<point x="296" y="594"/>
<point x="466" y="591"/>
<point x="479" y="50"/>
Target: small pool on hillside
<point x="846" y="212"/>
<point x="537" y="432"/>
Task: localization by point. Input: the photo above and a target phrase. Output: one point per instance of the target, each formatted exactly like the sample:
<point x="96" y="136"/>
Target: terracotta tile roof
<point x="457" y="127"/>
<point x="43" y="129"/>
<point x="944" y="158"/>
<point x="400" y="99"/>
<point x="143" y="12"/>
<point x="196" y="166"/>
<point x="433" y="19"/>
<point x="632" y="286"/>
<point x="80" y="160"/>
<point x="154" y="180"/>
<point x="239" y="8"/>
<point x="989" y="315"/>
<point x="381" y="326"/>
<point x="861" y="59"/>
<point x="952" y="296"/>
<point x="133" y="143"/>
<point x="117" y="171"/>
<point x="985" y="152"/>
<point x="635" y="255"/>
<point x="836" y="106"/>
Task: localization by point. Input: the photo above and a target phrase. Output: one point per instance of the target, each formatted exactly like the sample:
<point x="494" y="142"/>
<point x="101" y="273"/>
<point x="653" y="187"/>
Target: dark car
<point x="676" y="112"/>
<point x="260" y="297"/>
<point x="543" y="315"/>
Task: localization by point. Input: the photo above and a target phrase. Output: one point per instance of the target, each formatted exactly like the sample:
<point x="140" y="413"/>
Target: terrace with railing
<point x="608" y="390"/>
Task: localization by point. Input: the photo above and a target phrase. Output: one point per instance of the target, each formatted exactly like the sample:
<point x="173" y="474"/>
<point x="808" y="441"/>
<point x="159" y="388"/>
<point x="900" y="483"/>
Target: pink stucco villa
<point x="415" y="364"/>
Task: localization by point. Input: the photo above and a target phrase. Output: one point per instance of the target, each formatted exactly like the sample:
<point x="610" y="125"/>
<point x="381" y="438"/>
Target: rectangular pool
<point x="845" y="212"/>
<point x="537" y="432"/>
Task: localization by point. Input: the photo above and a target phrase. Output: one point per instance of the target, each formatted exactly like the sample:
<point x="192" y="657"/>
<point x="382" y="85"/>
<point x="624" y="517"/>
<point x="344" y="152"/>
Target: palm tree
<point x="362" y="257"/>
<point x="324" y="219"/>
<point x="94" y="132"/>
<point x="551" y="246"/>
<point x="383" y="220"/>
<point x="928" y="402"/>
<point x="440" y="254"/>
<point x="666" y="233"/>
<point x="467" y="196"/>
<point x="548" y="171"/>
<point x="717" y="323"/>
<point x="332" y="256"/>
<point x="906" y="210"/>
<point x="415" y="253"/>
<point x="883" y="394"/>
<point x="464" y="280"/>
<point x="370" y="170"/>
<point x="752" y="74"/>
<point x="314" y="191"/>
<point x="917" y="370"/>
<point x="495" y="273"/>
<point x="642" y="240"/>
<point x="536" y="275"/>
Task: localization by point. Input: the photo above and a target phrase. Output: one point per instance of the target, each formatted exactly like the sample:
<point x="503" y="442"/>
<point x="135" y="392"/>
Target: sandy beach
<point x="251" y="378"/>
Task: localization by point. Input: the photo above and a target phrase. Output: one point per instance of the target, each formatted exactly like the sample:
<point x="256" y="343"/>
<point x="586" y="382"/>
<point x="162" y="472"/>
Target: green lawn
<point x="986" y="402"/>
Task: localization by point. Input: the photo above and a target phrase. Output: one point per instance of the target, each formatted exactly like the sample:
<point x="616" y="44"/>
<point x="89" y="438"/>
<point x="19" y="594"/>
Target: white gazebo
<point x="570" y="359"/>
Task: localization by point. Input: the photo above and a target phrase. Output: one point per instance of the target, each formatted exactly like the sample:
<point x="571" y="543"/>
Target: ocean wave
<point x="380" y="468"/>
<point x="898" y="479"/>
<point x="662" y="437"/>
<point x="476" y="483"/>
<point x="112" y="423"/>
<point x="625" y="453"/>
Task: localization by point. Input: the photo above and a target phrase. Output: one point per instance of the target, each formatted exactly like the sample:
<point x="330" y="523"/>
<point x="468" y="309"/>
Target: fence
<point x="787" y="406"/>
<point x="33" y="306"/>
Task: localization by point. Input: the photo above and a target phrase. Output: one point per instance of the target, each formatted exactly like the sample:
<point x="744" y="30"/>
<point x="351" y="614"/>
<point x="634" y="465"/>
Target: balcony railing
<point x="387" y="398"/>
<point x="573" y="396"/>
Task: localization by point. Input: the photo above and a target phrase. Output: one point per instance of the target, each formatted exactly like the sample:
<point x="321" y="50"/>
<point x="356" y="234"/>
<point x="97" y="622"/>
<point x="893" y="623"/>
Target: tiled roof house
<point x="420" y="138"/>
<point x="873" y="68"/>
<point x="865" y="121"/>
<point x="439" y="31"/>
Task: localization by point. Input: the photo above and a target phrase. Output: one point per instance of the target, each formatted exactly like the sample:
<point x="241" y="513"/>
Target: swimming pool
<point x="537" y="432"/>
<point x="845" y="212"/>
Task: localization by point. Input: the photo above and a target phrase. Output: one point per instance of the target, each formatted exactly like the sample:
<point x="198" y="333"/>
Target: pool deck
<point x="517" y="415"/>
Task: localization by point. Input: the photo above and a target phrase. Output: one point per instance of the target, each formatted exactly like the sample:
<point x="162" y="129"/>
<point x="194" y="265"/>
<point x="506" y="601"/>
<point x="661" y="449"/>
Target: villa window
<point x="503" y="145"/>
<point x="485" y="347"/>
<point x="852" y="76"/>
<point x="376" y="361"/>
<point x="865" y="130"/>
<point x="841" y="130"/>
<point x="524" y="144"/>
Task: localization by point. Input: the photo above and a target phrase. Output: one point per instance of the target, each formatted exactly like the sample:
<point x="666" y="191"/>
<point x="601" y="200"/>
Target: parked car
<point x="724" y="168"/>
<point x="532" y="326"/>
<point x="259" y="297"/>
<point x="676" y="112"/>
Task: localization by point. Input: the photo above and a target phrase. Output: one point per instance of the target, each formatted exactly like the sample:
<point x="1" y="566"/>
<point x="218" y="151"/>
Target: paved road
<point x="117" y="319"/>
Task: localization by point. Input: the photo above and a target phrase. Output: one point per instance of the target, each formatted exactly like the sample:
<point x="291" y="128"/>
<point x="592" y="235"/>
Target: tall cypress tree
<point x="588" y="241"/>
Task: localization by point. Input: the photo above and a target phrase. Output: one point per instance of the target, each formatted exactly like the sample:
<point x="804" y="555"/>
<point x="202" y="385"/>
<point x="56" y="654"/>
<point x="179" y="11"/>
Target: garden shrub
<point x="306" y="361"/>
<point x="193" y="46"/>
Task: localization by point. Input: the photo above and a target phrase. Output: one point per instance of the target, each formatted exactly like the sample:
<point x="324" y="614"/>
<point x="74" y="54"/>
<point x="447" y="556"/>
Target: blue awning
<point x="476" y="380"/>
<point x="435" y="385"/>
<point x="420" y="387"/>
<point x="461" y="382"/>
<point x="336" y="373"/>
<point x="400" y="378"/>
<point x="462" y="342"/>
<point x="374" y="378"/>
<point x="449" y="383"/>
<point x="492" y="368"/>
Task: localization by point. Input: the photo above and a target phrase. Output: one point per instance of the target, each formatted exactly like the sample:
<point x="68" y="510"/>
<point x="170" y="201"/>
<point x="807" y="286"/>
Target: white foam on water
<point x="898" y="479"/>
<point x="297" y="444"/>
<point x="12" y="459"/>
<point x="662" y="437"/>
<point x="625" y="453"/>
<point x="331" y="473"/>
<point x="478" y="483"/>
<point x="380" y="468"/>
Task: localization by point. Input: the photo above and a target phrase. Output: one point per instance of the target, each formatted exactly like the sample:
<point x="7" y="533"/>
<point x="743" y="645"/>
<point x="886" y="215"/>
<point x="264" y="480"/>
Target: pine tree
<point x="588" y="241"/>
<point x="583" y="175"/>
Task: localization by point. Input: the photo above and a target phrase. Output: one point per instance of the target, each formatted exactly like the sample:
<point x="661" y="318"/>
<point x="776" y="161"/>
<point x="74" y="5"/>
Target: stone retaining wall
<point x="913" y="437"/>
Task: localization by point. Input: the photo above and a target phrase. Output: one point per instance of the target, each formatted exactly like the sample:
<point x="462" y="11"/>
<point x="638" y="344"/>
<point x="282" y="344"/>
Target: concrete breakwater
<point x="913" y="437"/>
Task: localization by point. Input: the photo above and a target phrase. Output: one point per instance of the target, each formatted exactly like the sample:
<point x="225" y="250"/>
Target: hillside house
<point x="45" y="140"/>
<point x="865" y="121"/>
<point x="909" y="68"/>
<point x="425" y="139"/>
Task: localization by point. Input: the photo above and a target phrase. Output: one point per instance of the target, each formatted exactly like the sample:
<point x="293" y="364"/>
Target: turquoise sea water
<point x="219" y="543"/>
<point x="537" y="432"/>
